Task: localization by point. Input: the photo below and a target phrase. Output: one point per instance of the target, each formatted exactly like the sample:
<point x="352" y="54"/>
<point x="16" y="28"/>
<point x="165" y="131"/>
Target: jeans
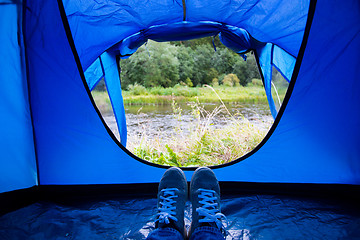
<point x="200" y="233"/>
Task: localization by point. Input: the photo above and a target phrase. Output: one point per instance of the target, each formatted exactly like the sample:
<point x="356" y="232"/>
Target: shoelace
<point x="167" y="206"/>
<point x="208" y="211"/>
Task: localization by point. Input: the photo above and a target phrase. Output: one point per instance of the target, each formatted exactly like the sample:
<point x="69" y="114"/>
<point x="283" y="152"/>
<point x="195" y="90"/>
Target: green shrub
<point x="156" y="90"/>
<point x="137" y="89"/>
<point x="185" y="91"/>
<point x="215" y="82"/>
<point x="231" y="80"/>
<point x="256" y="82"/>
<point x="189" y="82"/>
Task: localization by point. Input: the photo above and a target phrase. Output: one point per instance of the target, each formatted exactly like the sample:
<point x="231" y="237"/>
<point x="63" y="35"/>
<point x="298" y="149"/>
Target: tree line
<point x="193" y="63"/>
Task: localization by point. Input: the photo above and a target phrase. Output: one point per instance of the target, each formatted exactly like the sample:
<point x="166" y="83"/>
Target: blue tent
<point x="53" y="53"/>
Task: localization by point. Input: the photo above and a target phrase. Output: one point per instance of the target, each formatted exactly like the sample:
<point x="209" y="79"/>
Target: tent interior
<point x="63" y="173"/>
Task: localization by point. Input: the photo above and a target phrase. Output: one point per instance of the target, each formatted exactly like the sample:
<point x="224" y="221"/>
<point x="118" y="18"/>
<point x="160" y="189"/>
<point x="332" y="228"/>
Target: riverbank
<point x="219" y="132"/>
<point x="197" y="138"/>
<point x="138" y="95"/>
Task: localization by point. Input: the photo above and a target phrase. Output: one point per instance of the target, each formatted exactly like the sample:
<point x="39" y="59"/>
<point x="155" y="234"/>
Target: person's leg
<point x="207" y="233"/>
<point x="172" y="195"/>
<point x="165" y="234"/>
<point x="206" y="213"/>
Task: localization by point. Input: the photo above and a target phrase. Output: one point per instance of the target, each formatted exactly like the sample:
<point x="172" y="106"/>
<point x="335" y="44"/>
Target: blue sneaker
<point x="205" y="200"/>
<point x="172" y="196"/>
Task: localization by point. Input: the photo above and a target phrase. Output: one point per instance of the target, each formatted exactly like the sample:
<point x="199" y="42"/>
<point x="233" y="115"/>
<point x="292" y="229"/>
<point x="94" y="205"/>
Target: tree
<point x="186" y="63"/>
<point x="203" y="62"/>
<point x="246" y="70"/>
<point x="223" y="60"/>
<point x="157" y="65"/>
<point x="210" y="75"/>
<point x="242" y="72"/>
<point x="165" y="64"/>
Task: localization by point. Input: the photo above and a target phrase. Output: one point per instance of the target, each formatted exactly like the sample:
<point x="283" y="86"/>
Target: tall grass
<point x="201" y="144"/>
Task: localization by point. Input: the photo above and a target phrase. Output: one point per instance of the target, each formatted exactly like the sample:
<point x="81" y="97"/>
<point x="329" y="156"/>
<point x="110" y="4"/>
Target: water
<point x="160" y="119"/>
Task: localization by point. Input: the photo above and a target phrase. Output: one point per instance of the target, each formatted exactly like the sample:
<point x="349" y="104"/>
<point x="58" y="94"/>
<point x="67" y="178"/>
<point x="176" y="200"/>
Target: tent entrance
<point x="170" y="121"/>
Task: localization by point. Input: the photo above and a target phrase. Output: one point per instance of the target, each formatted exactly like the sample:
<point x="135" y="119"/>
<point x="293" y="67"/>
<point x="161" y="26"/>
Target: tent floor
<point x="249" y="217"/>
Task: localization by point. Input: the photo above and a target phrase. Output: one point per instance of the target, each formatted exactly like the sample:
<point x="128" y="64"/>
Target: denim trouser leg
<point x="165" y="234"/>
<point x="201" y="233"/>
<point x="207" y="233"/>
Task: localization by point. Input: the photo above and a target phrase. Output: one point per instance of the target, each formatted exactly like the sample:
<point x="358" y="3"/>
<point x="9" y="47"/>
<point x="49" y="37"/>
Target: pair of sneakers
<point x="204" y="196"/>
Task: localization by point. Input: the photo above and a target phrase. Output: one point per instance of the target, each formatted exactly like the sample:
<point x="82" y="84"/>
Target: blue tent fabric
<point x="279" y="22"/>
<point x="54" y="140"/>
<point x="94" y="73"/>
<point x="271" y="56"/>
<point x="235" y="38"/>
<point x="105" y="67"/>
<point x="99" y="25"/>
<point x="81" y="148"/>
<point x="283" y="62"/>
<point x="74" y="146"/>
<point x="18" y="164"/>
<point x="113" y="85"/>
<point x="313" y="124"/>
<point x="116" y="20"/>
<point x="265" y="60"/>
<point x="166" y="32"/>
<point x="315" y="135"/>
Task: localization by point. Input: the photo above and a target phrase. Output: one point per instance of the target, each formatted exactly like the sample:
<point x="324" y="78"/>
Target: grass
<point x="201" y="144"/>
<point x="205" y="145"/>
<point x="204" y="94"/>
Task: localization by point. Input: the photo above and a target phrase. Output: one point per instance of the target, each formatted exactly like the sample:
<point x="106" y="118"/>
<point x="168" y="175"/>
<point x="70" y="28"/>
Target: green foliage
<point x="256" y="82"/>
<point x="155" y="66"/>
<point x="188" y="82"/>
<point x="246" y="70"/>
<point x="224" y="59"/>
<point x="186" y="63"/>
<point x="241" y="70"/>
<point x="203" y="59"/>
<point x="215" y="82"/>
<point x="137" y="89"/>
<point x="231" y="80"/>
<point x="210" y="75"/>
<point x="173" y="158"/>
<point x="195" y="63"/>
<point x="252" y="67"/>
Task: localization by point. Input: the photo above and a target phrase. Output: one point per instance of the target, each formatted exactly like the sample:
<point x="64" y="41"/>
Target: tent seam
<point x="23" y="25"/>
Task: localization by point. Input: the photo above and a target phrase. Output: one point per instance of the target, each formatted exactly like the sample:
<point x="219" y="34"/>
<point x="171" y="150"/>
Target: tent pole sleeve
<point x="113" y="86"/>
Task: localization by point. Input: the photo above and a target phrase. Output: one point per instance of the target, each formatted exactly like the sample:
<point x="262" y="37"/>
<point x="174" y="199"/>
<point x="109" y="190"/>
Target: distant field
<point x="139" y="95"/>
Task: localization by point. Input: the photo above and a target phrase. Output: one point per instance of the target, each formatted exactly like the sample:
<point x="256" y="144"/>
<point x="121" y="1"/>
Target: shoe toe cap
<point x="205" y="178"/>
<point x="173" y="178"/>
